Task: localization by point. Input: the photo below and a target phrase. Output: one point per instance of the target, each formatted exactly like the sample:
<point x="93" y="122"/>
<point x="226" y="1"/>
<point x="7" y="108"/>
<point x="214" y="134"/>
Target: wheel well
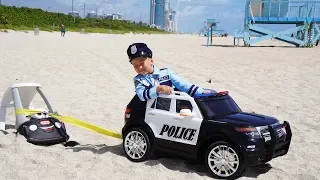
<point x="209" y="141"/>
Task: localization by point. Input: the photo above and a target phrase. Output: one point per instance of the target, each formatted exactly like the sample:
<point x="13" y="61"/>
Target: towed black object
<point x="47" y="131"/>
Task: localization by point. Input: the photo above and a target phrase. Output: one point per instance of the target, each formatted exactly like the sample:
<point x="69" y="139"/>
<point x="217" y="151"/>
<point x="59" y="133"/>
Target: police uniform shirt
<point x="145" y="85"/>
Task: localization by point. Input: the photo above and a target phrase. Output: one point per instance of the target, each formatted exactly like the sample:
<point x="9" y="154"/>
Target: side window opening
<point x="162" y="104"/>
<point x="183" y="104"/>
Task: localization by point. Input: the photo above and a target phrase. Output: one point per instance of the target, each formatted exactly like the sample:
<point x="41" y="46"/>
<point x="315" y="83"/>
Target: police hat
<point x="138" y="50"/>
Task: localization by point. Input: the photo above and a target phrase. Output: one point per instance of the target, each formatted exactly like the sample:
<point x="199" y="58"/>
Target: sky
<point x="191" y="13"/>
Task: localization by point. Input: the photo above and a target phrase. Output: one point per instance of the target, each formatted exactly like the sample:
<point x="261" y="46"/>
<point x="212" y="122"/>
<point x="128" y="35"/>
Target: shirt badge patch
<point x="164" y="78"/>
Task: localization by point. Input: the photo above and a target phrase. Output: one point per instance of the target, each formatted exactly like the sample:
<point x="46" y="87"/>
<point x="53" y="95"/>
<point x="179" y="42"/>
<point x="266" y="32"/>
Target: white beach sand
<point x="89" y="77"/>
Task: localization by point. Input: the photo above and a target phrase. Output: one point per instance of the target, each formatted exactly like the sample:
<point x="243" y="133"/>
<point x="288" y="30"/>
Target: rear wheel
<point x="136" y="145"/>
<point x="224" y="161"/>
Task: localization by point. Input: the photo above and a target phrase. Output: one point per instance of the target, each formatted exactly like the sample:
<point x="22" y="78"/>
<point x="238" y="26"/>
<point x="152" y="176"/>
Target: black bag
<point x="47" y="131"/>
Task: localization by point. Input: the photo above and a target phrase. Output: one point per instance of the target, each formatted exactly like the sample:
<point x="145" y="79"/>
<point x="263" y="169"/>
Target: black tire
<point x="237" y="157"/>
<point x="148" y="149"/>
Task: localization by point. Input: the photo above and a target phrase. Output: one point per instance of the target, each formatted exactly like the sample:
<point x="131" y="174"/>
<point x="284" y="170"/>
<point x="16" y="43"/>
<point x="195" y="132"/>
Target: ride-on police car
<point x="211" y="127"/>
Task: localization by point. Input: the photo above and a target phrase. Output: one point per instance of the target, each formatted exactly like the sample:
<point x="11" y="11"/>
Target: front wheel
<point x="136" y="145"/>
<point x="224" y="161"/>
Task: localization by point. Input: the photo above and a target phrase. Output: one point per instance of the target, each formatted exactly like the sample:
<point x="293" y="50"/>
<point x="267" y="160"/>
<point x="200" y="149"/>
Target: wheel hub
<point x="223" y="162"/>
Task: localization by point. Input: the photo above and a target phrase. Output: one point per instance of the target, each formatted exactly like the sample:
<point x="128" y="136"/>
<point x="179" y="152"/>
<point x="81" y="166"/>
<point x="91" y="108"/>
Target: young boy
<point x="150" y="80"/>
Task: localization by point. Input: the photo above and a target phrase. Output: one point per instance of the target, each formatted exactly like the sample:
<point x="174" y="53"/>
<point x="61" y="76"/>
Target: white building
<point x="116" y="16"/>
<point x="166" y="15"/>
<point x="92" y="14"/>
<point x="152" y="11"/>
<point x="108" y="16"/>
<point x="172" y="25"/>
<point x="74" y="13"/>
<point x="174" y="21"/>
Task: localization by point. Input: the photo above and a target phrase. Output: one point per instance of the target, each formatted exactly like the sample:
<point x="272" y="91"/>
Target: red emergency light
<point x="222" y="93"/>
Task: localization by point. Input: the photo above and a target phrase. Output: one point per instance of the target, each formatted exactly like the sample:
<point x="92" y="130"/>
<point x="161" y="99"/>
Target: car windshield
<point x="219" y="107"/>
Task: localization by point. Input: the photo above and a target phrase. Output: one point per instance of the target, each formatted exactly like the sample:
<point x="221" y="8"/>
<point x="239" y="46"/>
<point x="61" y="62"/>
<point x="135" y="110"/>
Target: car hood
<point x="251" y="119"/>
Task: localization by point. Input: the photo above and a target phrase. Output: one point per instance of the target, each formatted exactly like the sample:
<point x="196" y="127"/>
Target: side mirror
<point x="185" y="112"/>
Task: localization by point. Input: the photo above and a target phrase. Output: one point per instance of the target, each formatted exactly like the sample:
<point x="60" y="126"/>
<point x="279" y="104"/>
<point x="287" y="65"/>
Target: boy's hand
<point x="164" y="89"/>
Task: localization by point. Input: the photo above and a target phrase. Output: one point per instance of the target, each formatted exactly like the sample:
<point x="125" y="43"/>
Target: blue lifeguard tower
<point x="211" y="30"/>
<point x="304" y="14"/>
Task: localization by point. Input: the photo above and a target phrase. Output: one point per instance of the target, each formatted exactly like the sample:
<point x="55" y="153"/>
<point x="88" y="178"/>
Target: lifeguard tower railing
<point x="304" y="14"/>
<point x="203" y="31"/>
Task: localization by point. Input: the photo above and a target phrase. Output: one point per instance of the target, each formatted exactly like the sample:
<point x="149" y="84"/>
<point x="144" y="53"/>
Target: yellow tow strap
<point x="26" y="112"/>
<point x="71" y="120"/>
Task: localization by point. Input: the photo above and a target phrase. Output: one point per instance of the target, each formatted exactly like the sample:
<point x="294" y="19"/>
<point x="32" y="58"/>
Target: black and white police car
<point x="208" y="127"/>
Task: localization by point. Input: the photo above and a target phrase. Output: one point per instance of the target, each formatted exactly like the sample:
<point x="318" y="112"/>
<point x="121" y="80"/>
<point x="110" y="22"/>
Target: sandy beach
<point x="88" y="76"/>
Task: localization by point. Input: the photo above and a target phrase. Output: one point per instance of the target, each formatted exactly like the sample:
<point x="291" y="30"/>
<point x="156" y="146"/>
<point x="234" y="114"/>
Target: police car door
<point x="167" y="124"/>
<point x="158" y="114"/>
<point x="186" y="127"/>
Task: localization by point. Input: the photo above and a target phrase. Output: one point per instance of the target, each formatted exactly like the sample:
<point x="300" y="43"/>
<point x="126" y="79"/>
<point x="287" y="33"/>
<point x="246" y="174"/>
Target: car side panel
<point x="217" y="129"/>
<point x="175" y="148"/>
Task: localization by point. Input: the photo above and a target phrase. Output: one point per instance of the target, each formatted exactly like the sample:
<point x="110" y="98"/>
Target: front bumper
<point x="273" y="144"/>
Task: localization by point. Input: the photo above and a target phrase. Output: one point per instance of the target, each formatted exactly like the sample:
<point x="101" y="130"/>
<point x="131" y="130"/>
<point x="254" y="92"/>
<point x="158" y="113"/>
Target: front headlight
<point x="249" y="131"/>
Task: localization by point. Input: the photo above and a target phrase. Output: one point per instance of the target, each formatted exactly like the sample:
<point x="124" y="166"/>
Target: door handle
<point x="151" y="114"/>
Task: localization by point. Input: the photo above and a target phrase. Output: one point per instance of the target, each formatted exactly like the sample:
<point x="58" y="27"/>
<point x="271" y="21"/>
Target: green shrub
<point x="24" y="18"/>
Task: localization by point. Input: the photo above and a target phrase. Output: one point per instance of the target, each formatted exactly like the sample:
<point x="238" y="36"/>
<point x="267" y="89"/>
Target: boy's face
<point x="142" y="65"/>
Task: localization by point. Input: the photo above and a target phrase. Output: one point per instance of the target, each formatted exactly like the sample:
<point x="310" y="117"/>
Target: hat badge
<point x="133" y="49"/>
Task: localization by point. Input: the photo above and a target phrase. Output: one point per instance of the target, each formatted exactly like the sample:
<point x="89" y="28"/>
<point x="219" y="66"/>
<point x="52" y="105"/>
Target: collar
<point x="156" y="70"/>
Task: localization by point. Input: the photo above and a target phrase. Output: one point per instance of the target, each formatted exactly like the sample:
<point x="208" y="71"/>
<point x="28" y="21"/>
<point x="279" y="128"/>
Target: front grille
<point x="265" y="132"/>
<point x="277" y="140"/>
